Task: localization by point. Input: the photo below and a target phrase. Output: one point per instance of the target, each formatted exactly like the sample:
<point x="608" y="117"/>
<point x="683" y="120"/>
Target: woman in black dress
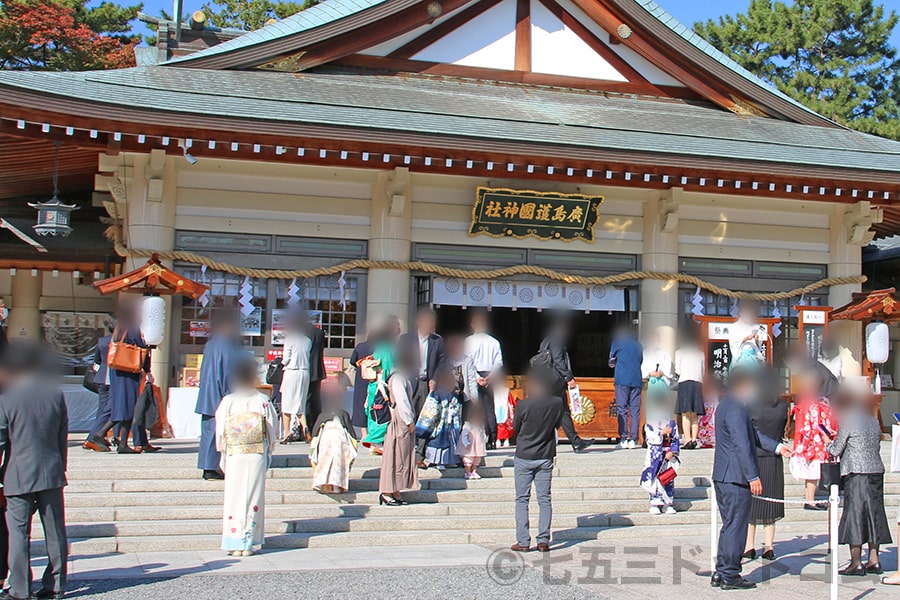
<point x="863" y="520"/>
<point x="770" y="416"/>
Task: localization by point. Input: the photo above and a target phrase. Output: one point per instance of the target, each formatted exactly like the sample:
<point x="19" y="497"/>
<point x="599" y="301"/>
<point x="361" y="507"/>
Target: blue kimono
<point x="218" y="358"/>
<point x="441" y="447"/>
<point x="655" y="463"/>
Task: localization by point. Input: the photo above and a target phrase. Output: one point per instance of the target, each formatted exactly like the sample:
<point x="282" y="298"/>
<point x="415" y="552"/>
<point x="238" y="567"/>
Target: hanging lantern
<point x="53" y="215"/>
<point x="153" y="320"/>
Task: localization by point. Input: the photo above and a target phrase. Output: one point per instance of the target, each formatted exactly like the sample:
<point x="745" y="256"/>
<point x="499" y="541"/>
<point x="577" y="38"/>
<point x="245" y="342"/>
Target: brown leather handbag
<point x="124" y="356"/>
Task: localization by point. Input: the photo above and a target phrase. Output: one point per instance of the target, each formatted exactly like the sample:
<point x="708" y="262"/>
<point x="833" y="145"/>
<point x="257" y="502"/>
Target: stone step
<point x="211" y="541"/>
<point x="630" y="515"/>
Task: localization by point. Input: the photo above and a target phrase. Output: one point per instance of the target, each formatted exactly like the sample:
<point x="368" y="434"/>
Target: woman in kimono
<point x="398" y="465"/>
<point x="382" y="361"/>
<point x="245" y="433"/>
<point x="441" y="445"/>
<point x="661" y="434"/>
<point x="295" y="381"/>
<point x="333" y="447"/>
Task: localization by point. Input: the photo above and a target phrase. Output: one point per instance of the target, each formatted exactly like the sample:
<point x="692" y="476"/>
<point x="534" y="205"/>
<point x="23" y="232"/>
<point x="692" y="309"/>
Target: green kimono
<point x="374" y="432"/>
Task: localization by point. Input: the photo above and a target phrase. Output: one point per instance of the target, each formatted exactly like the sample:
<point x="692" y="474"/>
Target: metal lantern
<point x="53" y="215"/>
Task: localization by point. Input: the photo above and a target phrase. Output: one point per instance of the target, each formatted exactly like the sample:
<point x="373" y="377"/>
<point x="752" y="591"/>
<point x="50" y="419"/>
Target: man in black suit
<point x="428" y="348"/>
<point x="317" y="373"/>
<point x="34" y="425"/>
<point x="736" y="472"/>
<point x="104" y="406"/>
<point x="560" y="378"/>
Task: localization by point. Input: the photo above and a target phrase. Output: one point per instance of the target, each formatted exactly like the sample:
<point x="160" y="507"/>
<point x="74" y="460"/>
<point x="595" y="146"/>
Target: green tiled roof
<point x="471" y="110"/>
<point x="315" y="16"/>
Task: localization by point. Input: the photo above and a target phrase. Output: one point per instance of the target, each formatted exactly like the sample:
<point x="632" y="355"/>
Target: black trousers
<point x="420" y="394"/>
<point x="486" y="397"/>
<point x="568" y="426"/>
<point x="19" y="509"/>
<point x="313" y="403"/>
<point x="734" y="502"/>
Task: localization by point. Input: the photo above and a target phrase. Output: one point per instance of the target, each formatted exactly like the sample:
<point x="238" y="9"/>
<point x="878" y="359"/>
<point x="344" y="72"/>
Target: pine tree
<point x="832" y="55"/>
<point x="251" y="14"/>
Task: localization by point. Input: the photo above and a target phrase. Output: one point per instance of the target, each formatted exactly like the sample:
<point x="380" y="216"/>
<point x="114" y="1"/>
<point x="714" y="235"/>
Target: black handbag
<point x="275" y="372"/>
<point x="90" y="382"/>
<point x="380" y="409"/>
<point x="830" y="474"/>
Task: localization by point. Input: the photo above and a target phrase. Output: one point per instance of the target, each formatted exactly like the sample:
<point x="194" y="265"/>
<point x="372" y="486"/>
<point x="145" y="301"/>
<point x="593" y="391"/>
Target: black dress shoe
<point x="716" y="580"/>
<point x="212" y="476"/>
<point x="738" y="584"/>
<point x="851" y="571"/>
<point x="49" y="594"/>
<point x="749" y="554"/>
<point x="816" y="506"/>
<point x="874" y="569"/>
<point x="581" y="444"/>
<point x="126" y="450"/>
<point x="768" y="554"/>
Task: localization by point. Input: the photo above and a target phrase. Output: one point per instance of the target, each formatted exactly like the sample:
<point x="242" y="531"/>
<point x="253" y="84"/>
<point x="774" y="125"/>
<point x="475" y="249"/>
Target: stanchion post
<point x="713" y="528"/>
<point x="833" y="500"/>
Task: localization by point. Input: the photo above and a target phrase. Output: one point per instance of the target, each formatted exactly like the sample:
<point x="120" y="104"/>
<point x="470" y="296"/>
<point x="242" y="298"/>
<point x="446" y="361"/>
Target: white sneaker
<point x="654" y="510"/>
<point x="670" y="510"/>
<point x="631" y="445"/>
<point x="623" y="445"/>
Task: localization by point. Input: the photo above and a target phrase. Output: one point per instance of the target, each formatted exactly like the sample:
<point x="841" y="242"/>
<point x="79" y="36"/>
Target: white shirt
<point x="423" y="355"/>
<point x="484" y="350"/>
<point x="835" y="365"/>
<point x="689" y="364"/>
<point x="656" y="360"/>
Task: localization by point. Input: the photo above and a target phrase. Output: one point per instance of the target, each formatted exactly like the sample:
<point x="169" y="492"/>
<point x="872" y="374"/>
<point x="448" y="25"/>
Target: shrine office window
<point x="332" y="305"/>
<point x="224" y="294"/>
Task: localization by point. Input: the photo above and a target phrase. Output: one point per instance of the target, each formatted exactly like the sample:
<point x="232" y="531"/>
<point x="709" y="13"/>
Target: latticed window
<point x="331" y="302"/>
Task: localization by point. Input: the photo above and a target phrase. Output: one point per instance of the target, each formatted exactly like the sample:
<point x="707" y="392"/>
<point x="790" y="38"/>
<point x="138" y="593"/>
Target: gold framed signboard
<point x="501" y="212"/>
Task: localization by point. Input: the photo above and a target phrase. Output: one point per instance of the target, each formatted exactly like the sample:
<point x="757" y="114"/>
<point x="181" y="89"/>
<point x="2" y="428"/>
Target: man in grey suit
<point x="34" y="426"/>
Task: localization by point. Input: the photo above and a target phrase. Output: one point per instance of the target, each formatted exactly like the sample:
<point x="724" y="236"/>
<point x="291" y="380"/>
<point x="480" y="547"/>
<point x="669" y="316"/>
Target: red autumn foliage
<point x="43" y="35"/>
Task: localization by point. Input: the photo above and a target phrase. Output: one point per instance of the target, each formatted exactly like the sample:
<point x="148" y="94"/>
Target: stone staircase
<point x="158" y="502"/>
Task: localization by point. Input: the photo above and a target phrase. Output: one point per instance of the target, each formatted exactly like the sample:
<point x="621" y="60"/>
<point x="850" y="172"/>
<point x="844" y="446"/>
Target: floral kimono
<point x="441" y="445"/>
<point x="809" y="443"/>
<point x="245" y="431"/>
<point x="655" y="462"/>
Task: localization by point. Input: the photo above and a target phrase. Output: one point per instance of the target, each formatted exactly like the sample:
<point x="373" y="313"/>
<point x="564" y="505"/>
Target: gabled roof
<point x="652" y="32"/>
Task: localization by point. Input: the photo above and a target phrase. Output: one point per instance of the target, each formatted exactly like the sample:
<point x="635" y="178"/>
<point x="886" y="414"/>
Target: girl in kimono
<point x="382" y="361"/>
<point x="661" y="435"/>
<point x="333" y="447"/>
<point x="245" y="433"/>
<point x="504" y="410"/>
<point x="441" y="446"/>
<point x="473" y="440"/>
<point x="810" y="445"/>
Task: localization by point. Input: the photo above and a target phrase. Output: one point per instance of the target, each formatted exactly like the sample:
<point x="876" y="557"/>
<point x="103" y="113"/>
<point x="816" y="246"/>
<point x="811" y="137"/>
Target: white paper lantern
<point x="153" y="320"/>
<point x="878" y="343"/>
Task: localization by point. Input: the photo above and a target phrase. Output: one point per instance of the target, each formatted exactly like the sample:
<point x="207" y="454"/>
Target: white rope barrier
<point x="833" y="503"/>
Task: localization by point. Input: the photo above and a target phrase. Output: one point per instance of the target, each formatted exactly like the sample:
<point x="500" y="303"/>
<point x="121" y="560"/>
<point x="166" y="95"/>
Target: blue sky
<point x="686" y="11"/>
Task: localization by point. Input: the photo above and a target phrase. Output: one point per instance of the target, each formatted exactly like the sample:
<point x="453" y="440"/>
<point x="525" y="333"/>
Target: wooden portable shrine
<point x="154" y="279"/>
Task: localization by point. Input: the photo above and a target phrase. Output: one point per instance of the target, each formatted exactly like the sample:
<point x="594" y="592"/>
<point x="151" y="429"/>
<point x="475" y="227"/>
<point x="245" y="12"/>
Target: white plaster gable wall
<point x="487" y="41"/>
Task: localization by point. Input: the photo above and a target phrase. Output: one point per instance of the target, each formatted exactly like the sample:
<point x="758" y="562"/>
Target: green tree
<point x="832" y="55"/>
<point x="66" y="35"/>
<point x="251" y="14"/>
